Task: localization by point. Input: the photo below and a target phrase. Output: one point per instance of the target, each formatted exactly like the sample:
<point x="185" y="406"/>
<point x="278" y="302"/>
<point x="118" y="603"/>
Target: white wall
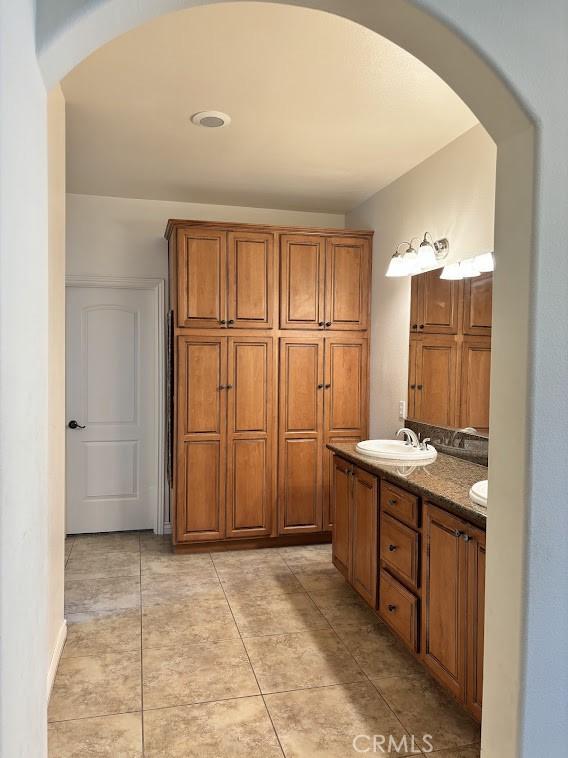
<point x="452" y="194"/>
<point x="111" y="236"/>
<point x="23" y="387"/>
<point x="56" y="377"/>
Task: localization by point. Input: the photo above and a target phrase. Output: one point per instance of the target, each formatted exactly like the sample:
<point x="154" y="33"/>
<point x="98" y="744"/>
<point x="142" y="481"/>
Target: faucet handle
<point x="424" y="443"/>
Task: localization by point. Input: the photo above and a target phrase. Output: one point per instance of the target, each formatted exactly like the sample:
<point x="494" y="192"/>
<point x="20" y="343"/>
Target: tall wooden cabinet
<point x="450" y="351"/>
<point x="270" y="326"/>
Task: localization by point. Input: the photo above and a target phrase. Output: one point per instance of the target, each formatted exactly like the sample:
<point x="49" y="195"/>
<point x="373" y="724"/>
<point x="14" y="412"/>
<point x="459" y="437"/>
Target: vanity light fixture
<point x="485" y="262"/>
<point x="414" y="259"/>
<point x="469" y="267"/>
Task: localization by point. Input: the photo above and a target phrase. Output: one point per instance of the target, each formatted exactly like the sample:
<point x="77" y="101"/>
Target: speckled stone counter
<point x="446" y="482"/>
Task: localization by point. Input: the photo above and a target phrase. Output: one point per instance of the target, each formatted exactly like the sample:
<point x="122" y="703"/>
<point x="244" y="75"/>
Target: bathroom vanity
<point x="411" y="543"/>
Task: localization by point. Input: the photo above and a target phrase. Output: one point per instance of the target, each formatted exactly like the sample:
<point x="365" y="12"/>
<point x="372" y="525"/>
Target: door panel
<point x="444" y="598"/>
<point x="345" y="389"/>
<point x="476" y="621"/>
<point x="328" y="474"/>
<point x="202" y="413"/>
<point x="439" y="304"/>
<point x="364" y="556"/>
<point x="302" y="282"/>
<point x="251" y="280"/>
<point x="436" y="379"/>
<point x="341" y="489"/>
<point x="111" y="463"/>
<point x="478" y="305"/>
<point x="301" y="395"/>
<point x="202" y="277"/>
<point x="300" y="486"/>
<point x="348" y="272"/>
<point x="412" y="354"/>
<point x="250" y="437"/>
<point x="475" y="383"/>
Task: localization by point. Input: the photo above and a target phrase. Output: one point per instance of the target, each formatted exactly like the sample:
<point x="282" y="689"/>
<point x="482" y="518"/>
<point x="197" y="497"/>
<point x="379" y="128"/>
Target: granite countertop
<point x="446" y="482"/>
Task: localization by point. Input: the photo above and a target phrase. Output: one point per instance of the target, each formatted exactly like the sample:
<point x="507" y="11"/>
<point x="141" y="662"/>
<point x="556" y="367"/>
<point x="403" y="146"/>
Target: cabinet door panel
<point x="328" y="474"/>
<point x="202" y="277"/>
<point x="301" y="395"/>
<point x="302" y="281"/>
<point x="444" y="598"/>
<point x="341" y="489"/>
<point x="300" y="502"/>
<point x="476" y="621"/>
<point x="345" y="386"/>
<point x="251" y="280"/>
<point x="347" y="273"/>
<point x="436" y="380"/>
<point x="475" y="383"/>
<point x="412" y="355"/>
<point x="250" y="437"/>
<point x="364" y="517"/>
<point x="478" y="305"/>
<point x="201" y="439"/>
<point x="439" y="304"/>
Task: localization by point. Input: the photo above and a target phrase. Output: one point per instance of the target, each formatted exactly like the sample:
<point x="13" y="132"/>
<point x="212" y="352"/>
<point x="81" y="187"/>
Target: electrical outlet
<point x="402" y="409"/>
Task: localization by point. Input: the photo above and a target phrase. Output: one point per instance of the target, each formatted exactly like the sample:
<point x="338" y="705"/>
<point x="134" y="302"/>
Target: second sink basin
<point x="478" y="493"/>
<point x="396" y="450"/>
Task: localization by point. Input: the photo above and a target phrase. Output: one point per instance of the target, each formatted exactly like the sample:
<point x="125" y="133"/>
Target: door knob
<point x="74" y="425"/>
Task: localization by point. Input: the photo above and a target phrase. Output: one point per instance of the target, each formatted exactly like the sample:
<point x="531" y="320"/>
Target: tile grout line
<point x="250" y="662"/>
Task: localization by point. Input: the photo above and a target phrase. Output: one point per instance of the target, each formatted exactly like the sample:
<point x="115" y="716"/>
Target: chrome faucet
<point x="411" y="437"/>
<point x="424" y="443"/>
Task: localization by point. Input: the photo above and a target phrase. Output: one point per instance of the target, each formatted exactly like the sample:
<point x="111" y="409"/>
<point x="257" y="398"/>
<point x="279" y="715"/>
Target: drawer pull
<point x="392" y="501"/>
<point x="391" y="607"/>
<point x="392" y="548"/>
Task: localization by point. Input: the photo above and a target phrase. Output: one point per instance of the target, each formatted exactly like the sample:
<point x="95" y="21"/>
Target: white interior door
<point x="111" y="366"/>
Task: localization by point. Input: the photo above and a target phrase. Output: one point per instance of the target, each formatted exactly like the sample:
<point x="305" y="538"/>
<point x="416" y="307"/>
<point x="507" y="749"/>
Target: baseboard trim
<point x="251" y="543"/>
<point x="59" y="643"/>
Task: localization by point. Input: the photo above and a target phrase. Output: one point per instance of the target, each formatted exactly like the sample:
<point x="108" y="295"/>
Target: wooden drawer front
<point x="399" y="503"/>
<point x="400" y="549"/>
<point x="399" y="609"/>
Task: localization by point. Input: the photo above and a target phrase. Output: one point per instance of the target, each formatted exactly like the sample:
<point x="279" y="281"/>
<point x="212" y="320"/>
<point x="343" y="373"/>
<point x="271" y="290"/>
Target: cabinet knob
<point x="230" y="322"/>
<point x="412" y="386"/>
<point x="391" y="607"/>
<point x="328" y="323"/>
<point x="414" y="326"/>
<point x="419" y="386"/>
<point x="392" y="548"/>
<point x="320" y="386"/>
<point x="321" y="324"/>
<point x="327" y="386"/>
<point x="221" y="387"/>
<point x="421" y="326"/>
<point x="462" y="535"/>
<point x="222" y="322"/>
<point x="392" y="501"/>
<point x="229" y="387"/>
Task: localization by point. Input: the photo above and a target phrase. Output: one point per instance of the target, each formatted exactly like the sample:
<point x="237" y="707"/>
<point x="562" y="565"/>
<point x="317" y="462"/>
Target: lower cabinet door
<point x="328" y="475"/>
<point x="341" y="496"/>
<point x="201" y="491"/>
<point x="364" y="518"/>
<point x="476" y="620"/>
<point x="444" y="598"/>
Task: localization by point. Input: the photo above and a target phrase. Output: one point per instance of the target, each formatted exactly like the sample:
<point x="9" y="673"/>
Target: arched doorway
<point x="425" y="36"/>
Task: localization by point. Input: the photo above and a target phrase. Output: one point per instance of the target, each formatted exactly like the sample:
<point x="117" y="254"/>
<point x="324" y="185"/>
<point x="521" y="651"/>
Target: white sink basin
<point x="478" y="493"/>
<point x="396" y="450"/>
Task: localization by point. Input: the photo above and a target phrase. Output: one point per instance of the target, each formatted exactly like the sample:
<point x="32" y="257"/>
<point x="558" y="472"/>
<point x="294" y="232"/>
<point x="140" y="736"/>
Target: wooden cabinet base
<point x="218" y="546"/>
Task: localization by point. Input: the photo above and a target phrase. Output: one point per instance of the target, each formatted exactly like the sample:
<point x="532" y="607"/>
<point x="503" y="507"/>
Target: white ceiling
<point x="324" y="112"/>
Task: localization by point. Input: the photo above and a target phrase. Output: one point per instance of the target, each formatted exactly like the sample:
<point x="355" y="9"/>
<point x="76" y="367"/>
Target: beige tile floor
<point x="260" y="653"/>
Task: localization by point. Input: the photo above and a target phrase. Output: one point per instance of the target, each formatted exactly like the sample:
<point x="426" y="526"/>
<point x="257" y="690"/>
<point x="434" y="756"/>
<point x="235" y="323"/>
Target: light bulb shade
<point x="452" y="272"/>
<point x="469" y="268"/>
<point x="485" y="262"/>
<point x="426" y="256"/>
<point x="397" y="267"/>
<point x="412" y="263"/>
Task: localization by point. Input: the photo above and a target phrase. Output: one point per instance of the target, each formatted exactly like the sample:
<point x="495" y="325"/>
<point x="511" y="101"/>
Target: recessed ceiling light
<point x="211" y="119"/>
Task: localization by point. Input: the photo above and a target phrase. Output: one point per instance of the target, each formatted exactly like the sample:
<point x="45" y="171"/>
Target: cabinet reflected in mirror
<point x="450" y="351"/>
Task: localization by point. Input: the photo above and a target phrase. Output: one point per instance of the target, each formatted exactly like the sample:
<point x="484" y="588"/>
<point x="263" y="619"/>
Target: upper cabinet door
<point x="345" y="386"/>
<point x="438" y="304"/>
<point x="436" y="380"/>
<point x="202" y="278"/>
<point x="251" y="280"/>
<point x="348" y="274"/>
<point x="478" y="304"/>
<point x="475" y="383"/>
<point x="302" y="286"/>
